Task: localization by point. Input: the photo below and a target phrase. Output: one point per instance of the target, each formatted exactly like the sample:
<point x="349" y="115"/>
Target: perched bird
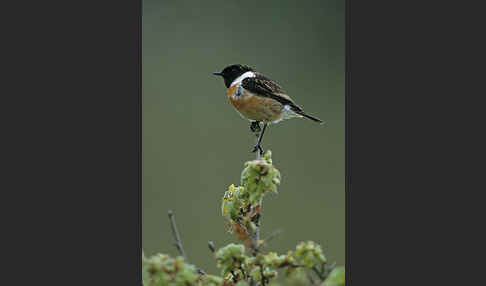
<point x="259" y="99"/>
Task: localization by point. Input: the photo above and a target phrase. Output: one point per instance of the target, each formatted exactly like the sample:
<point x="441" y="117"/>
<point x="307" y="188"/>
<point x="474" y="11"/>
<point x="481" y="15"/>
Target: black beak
<point x="217" y="73"/>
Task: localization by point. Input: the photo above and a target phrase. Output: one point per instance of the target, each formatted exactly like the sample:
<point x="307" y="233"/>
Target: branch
<point x="178" y="241"/>
<point x="254" y="234"/>
<point x="263" y="276"/>
<point x="310" y="279"/>
<point x="258" y="135"/>
<point x="272" y="236"/>
<point x="320" y="274"/>
<point x="175" y="233"/>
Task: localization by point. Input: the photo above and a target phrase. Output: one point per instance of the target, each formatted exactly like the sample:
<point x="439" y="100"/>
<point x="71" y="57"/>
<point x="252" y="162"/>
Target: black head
<point x="232" y="72"/>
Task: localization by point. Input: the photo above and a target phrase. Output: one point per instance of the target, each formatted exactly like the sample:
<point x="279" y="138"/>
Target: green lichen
<point x="210" y="280"/>
<point x="163" y="270"/>
<point x="336" y="277"/>
<point x="247" y="264"/>
<point x="259" y="177"/>
<point x="230" y="258"/>
<point x="310" y="254"/>
<point x="240" y="204"/>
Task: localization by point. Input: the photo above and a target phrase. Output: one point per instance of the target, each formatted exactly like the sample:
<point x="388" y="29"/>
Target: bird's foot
<point x="255" y="126"/>
<point x="256" y="148"/>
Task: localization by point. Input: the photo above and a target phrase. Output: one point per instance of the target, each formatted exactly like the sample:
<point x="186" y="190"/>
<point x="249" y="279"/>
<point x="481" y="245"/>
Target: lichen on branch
<point x="246" y="264"/>
<point x="238" y="267"/>
<point x="241" y="205"/>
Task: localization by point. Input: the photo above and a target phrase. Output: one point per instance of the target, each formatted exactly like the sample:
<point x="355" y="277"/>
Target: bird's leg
<point x="258" y="146"/>
<point x="255" y="126"/>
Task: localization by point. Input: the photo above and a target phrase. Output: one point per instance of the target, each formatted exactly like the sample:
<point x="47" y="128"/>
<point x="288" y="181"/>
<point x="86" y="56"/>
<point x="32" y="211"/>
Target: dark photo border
<point x="74" y="142"/>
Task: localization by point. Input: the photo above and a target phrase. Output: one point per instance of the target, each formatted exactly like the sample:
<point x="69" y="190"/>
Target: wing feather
<point x="263" y="86"/>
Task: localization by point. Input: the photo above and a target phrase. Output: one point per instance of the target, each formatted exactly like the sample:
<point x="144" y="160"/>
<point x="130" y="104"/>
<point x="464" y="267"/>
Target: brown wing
<point x="263" y="86"/>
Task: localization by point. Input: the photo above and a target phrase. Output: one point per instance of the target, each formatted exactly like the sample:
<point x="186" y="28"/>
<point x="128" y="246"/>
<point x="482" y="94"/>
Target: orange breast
<point x="255" y="107"/>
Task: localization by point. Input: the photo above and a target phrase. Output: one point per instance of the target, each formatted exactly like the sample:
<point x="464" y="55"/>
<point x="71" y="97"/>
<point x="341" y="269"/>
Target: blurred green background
<point x="195" y="144"/>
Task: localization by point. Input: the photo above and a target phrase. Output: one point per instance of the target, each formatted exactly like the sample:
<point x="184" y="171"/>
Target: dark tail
<point x="310" y="117"/>
<point x="299" y="111"/>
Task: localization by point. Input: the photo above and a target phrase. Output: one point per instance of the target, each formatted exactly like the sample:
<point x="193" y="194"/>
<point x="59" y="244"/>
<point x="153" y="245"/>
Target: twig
<point x="310" y="279"/>
<point x="211" y="246"/>
<point x="257" y="136"/>
<point x="329" y="269"/>
<point x="263" y="276"/>
<point x="178" y="240"/>
<point x="175" y="233"/>
<point x="272" y="236"/>
<point x="319" y="274"/>
<point x="285" y="264"/>
<point x="254" y="234"/>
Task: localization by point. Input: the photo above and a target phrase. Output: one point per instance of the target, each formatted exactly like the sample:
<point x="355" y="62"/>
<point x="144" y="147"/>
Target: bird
<point x="258" y="98"/>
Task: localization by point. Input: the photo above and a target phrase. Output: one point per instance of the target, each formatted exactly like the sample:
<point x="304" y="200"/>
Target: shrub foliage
<point x="246" y="263"/>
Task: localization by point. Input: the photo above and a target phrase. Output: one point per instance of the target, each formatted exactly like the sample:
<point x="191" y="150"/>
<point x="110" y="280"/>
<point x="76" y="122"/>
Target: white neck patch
<point x="242" y="77"/>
